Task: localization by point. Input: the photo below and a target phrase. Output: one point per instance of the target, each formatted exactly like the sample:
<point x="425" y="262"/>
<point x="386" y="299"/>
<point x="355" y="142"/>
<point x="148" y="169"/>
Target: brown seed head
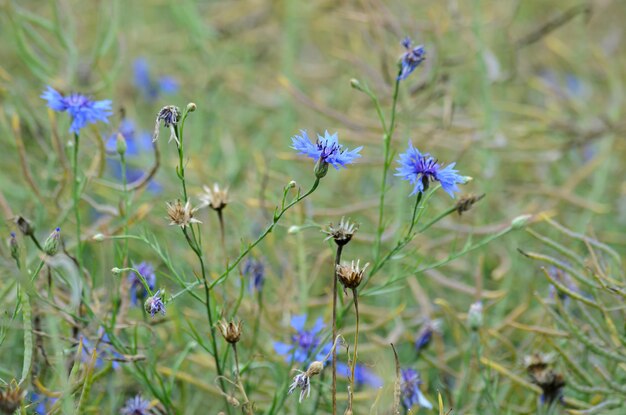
<point x="342" y="233"/>
<point x="230" y="331"/>
<point x="350" y="275"/>
<point x="541" y="373"/>
<point x="24" y="226"/>
<point x="11" y="398"/>
<point x="215" y="198"/>
<point x="181" y="215"/>
<point x="466" y="202"/>
<point x="315" y="368"/>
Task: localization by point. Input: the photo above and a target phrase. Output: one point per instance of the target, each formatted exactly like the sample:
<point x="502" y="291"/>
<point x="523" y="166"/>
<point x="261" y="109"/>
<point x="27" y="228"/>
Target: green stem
<point x="125" y="204"/>
<point x="334" y="361"/>
<point x="75" y="198"/>
<point x="356" y="346"/>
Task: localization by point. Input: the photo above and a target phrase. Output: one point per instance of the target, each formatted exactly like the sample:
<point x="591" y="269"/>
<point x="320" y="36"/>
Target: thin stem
<point x="418" y="199"/>
<point x="247" y="407"/>
<point x="125" y="205"/>
<point x="75" y="198"/>
<point x="220" y="216"/>
<point x="356" y="346"/>
<point x="335" y="277"/>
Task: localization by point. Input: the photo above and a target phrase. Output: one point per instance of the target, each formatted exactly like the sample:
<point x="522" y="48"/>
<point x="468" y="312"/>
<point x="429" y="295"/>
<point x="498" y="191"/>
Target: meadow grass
<point x="507" y="299"/>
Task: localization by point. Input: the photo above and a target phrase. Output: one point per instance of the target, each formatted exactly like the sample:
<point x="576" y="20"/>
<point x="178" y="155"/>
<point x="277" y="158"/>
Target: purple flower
<point x="81" y="108"/>
<point x="150" y="88"/>
<point x="304" y="342"/>
<point x="155" y="304"/>
<point x="325" y="150"/>
<point x="104" y="351"/>
<point x="254" y="270"/>
<point x="421" y="169"/>
<point x="137" y="289"/>
<point x="362" y="375"/>
<point x="425" y="334"/>
<point x="410" y="390"/>
<point x="43" y="402"/>
<point x="136" y="406"/>
<point x="411" y="59"/>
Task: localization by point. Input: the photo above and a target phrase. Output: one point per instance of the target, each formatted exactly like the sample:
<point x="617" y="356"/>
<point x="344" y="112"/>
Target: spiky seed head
<point x="350" y="275"/>
<point x="466" y="202"/>
<point x="11" y="398"/>
<point x="343" y="232"/>
<point x="231" y="331"/>
<point x="181" y="215"/>
<point x="215" y="198"/>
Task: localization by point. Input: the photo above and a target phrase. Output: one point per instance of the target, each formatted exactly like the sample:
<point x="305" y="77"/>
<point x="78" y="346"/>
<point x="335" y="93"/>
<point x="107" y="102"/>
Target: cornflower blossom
<point x="254" y="270"/>
<point x="411" y="59"/>
<point x="425" y="334"/>
<point x="422" y="169"/>
<point x="104" y="351"/>
<point x="43" y="404"/>
<point x="155" y="304"/>
<point x="326" y="150"/>
<point x="151" y="88"/>
<point x="137" y="289"/>
<point x="410" y="390"/>
<point x="362" y="375"/>
<point x="136" y="406"/>
<point x="304" y="342"/>
<point x="82" y="109"/>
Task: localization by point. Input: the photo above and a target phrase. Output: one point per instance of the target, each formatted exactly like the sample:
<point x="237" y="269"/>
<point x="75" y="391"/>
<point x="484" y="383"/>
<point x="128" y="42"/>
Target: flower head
<point x="155" y="304"/>
<point x="302" y="380"/>
<point x="137" y="289"/>
<point x="11" y="398"/>
<point x="81" y="108"/>
<point x="410" y="390"/>
<point x="422" y="169"/>
<point x="215" y="198"/>
<point x="169" y="115"/>
<point x="254" y="269"/>
<point x="104" y="351"/>
<point x="343" y="232"/>
<point x="304" y="342"/>
<point x="411" y="59"/>
<point x="541" y="373"/>
<point x="43" y="403"/>
<point x="350" y="275"/>
<point x="181" y="215"/>
<point x="136" y="406"/>
<point x="149" y="87"/>
<point x="231" y="331"/>
<point x="362" y="375"/>
<point x="325" y="151"/>
<point x="425" y="334"/>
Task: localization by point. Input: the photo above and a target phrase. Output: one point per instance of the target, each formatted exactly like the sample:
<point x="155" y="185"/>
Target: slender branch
<point x="334" y="364"/>
<point x="76" y="198"/>
<point x="356" y="346"/>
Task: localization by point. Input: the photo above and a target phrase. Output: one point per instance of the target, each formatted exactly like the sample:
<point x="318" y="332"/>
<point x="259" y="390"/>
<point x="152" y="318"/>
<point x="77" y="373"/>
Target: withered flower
<point x="342" y="233"/>
<point x="466" y="202"/>
<point x="11" y="398"/>
<point x="215" y="198"/>
<point x="350" y="275"/>
<point x="541" y="373"/>
<point x="181" y="215"/>
<point x="231" y="331"/>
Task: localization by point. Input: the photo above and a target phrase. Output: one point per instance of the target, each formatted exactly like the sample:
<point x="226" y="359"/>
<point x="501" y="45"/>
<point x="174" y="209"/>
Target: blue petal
<point x="318" y="326"/>
<point x="282" y="348"/>
<point x="298" y="322"/>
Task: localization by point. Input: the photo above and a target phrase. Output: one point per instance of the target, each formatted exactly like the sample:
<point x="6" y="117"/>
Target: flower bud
<point x="321" y="168"/>
<point x="315" y="368"/>
<point x="116" y="270"/>
<point x="475" y="316"/>
<point x="98" y="237"/>
<point x="191" y="107"/>
<point x="354" y="83"/>
<point x="120" y="144"/>
<point x="51" y="245"/>
<point x="520" y="221"/>
<point x="292" y="184"/>
<point x="24" y="226"/>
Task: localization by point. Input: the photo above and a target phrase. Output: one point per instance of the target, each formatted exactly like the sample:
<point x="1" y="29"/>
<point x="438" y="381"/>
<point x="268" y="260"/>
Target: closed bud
<point x="120" y="144"/>
<point x="98" y="237"/>
<point x="24" y="226"/>
<point x="475" y="316"/>
<point x="315" y="368"/>
<point x="116" y="270"/>
<point x="520" y="221"/>
<point x="191" y="107"/>
<point x="292" y="184"/>
<point x="354" y="83"/>
<point x="51" y="245"/>
<point x="321" y="168"/>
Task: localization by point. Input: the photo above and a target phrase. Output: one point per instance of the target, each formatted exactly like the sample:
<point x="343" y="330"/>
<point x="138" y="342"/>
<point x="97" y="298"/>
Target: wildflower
<point x="24" y="226"/>
<point x="362" y="375"/>
<point x="421" y="169"/>
<point x="151" y="88"/>
<point x="350" y="275"/>
<point x="229" y="330"/>
<point x="137" y="289"/>
<point x="541" y="374"/>
<point x="410" y="390"/>
<point x="155" y="304"/>
<point x="136" y="406"/>
<point x="82" y="109"/>
<point x="411" y="59"/>
<point x="170" y="115"/>
<point x="104" y="351"/>
<point x="342" y="233"/>
<point x="325" y="151"/>
<point x="43" y="403"/>
<point x="15" y="248"/>
<point x="425" y="334"/>
<point x="254" y="269"/>
<point x="475" y="316"/>
<point x="215" y="198"/>
<point x="51" y="245"/>
<point x="465" y="203"/>
<point x="181" y="215"/>
<point x="11" y="398"/>
<point x="302" y="380"/>
<point x="304" y="342"/>
<point x="136" y="142"/>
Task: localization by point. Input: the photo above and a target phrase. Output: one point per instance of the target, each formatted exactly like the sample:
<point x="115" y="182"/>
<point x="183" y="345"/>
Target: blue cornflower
<point x="304" y="343"/>
<point x="425" y="334"/>
<point x="155" y="304"/>
<point x="136" y="142"/>
<point x="411" y="59"/>
<point x="362" y="375"/>
<point x="136" y="406"/>
<point x="326" y="150"/>
<point x="81" y="108"/>
<point x="43" y="403"/>
<point x="149" y="87"/>
<point x="254" y="270"/>
<point x="410" y="390"/>
<point x="421" y="169"/>
<point x="104" y="351"/>
<point x="137" y="289"/>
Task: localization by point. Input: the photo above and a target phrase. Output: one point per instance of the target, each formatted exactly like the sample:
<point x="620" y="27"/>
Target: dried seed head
<point x="181" y="215"/>
<point x="543" y="375"/>
<point x="350" y="275"/>
<point x="466" y="202"/>
<point x="231" y="331"/>
<point x="11" y="398"/>
<point x="215" y="198"/>
<point x="24" y="226"/>
<point x="170" y="115"/>
<point x="342" y="233"/>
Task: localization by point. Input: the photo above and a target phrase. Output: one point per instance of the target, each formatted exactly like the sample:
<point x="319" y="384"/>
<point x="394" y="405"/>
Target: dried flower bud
<point x="181" y="215"/>
<point x="11" y="398"/>
<point x="350" y="275"/>
<point x="342" y="233"/>
<point x="475" y="316"/>
<point x="321" y="168"/>
<point x="51" y="245"/>
<point x="170" y="115"/>
<point x="215" y="198"/>
<point x="466" y="202"/>
<point x="24" y="226"/>
<point x="230" y="331"/>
